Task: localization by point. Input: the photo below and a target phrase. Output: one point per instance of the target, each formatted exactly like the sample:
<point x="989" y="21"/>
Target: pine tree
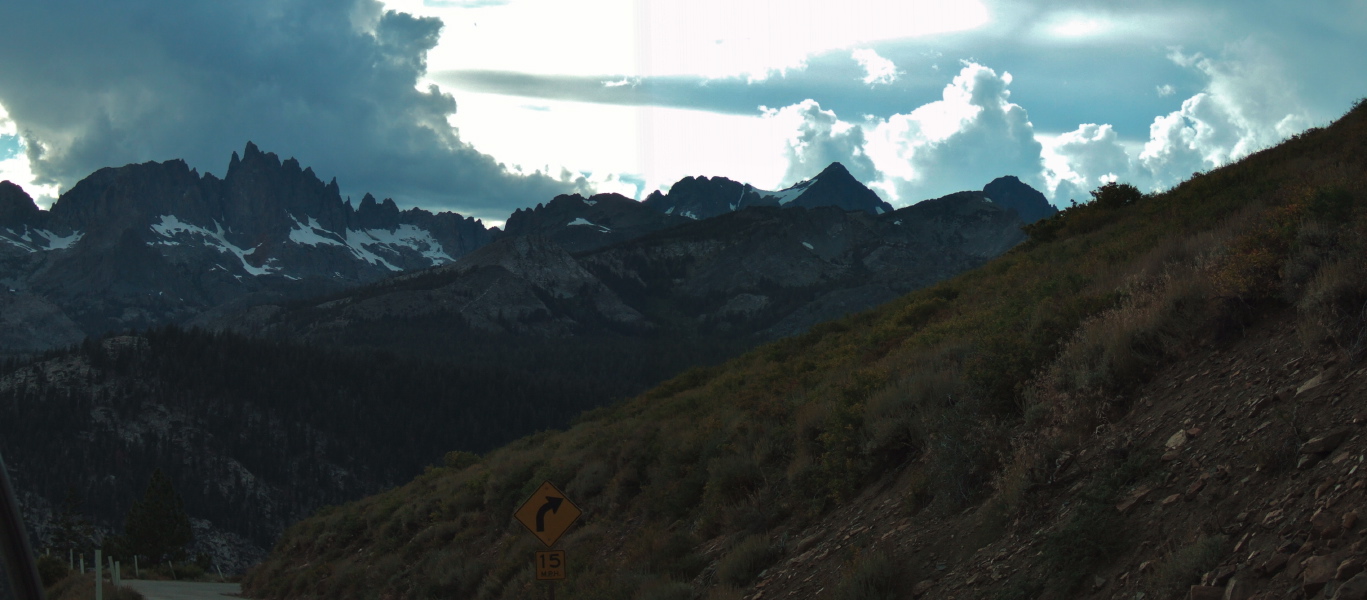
<point x="157" y="526"/>
<point x="73" y="531"/>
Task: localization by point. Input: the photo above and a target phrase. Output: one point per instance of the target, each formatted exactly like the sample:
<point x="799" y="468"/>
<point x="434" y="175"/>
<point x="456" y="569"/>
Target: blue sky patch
<point x="9" y="146"/>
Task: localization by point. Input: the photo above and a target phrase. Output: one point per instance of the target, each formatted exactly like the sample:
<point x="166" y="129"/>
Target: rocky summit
<point x="1011" y="193"/>
<point x="703" y="198"/>
<point x="765" y="271"/>
<point x="151" y="243"/>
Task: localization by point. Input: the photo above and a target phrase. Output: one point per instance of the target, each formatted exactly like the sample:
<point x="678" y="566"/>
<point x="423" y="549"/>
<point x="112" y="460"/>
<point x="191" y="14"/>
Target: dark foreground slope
<point x="254" y="434"/>
<point x="1132" y="403"/>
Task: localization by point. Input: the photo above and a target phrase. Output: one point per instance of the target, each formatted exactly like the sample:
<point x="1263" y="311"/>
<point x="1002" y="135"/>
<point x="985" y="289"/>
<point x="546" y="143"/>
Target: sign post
<point x="547" y="515"/>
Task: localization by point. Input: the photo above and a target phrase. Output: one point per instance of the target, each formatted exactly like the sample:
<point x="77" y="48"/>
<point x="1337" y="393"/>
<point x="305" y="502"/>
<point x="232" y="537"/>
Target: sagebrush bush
<point x="52" y="569"/>
<point x="1334" y="307"/>
<point x="1185" y="567"/>
<point x="746" y="560"/>
<point x="669" y="590"/>
<point x="79" y="586"/>
<point x="872" y="577"/>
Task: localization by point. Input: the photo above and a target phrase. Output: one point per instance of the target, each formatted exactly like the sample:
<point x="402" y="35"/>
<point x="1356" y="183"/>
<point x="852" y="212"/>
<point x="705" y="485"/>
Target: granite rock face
<point x="157" y="242"/>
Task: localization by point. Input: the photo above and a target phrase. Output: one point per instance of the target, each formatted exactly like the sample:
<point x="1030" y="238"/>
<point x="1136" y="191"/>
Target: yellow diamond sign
<point x="547" y="514"/>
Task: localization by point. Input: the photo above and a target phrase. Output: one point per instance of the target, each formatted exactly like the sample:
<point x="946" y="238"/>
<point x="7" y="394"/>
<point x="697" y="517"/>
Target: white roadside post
<point x="99" y="589"/>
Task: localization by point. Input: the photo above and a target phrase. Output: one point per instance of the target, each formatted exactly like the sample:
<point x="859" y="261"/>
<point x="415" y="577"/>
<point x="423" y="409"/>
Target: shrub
<point x="746" y="560"/>
<point x="458" y="460"/>
<point x="872" y="577"/>
<point x="1185" y="566"/>
<point x="591" y="480"/>
<point x="1334" y="307"/>
<point x="670" y="590"/>
<point x="731" y="478"/>
<point x="1094" y="535"/>
<point x="52" y="569"/>
<point x="1116" y="195"/>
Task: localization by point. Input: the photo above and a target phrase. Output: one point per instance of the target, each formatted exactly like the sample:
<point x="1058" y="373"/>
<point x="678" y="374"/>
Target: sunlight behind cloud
<point x="1078" y="26"/>
<point x="654" y="144"/>
<point x="14" y="163"/>
<point x="710" y="38"/>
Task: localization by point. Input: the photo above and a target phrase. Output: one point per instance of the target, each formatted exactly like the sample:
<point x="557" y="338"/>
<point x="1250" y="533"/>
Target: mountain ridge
<point x="1157" y="395"/>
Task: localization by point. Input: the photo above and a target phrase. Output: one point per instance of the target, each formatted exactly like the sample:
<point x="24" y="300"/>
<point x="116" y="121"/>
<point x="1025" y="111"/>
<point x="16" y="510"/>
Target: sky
<point x="485" y="106"/>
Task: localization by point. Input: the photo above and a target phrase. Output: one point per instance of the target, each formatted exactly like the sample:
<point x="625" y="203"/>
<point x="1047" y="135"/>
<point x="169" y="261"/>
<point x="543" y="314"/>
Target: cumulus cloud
<point x="93" y="84"/>
<point x="876" y="68"/>
<point x="820" y="138"/>
<point x="971" y="136"/>
<point x="1080" y="160"/>
<point x="1248" y="104"/>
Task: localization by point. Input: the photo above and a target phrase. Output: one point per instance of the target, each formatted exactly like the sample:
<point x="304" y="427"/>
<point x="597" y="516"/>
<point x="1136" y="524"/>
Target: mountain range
<point x="154" y="243"/>
<point x="310" y="310"/>
<point x="1154" y="396"/>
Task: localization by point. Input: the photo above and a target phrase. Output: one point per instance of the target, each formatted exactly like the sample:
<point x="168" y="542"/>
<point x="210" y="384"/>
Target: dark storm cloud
<point x="93" y="84"/>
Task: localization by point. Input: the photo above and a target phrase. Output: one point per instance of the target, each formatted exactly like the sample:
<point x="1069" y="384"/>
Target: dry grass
<point x="969" y="390"/>
<point x="82" y="587"/>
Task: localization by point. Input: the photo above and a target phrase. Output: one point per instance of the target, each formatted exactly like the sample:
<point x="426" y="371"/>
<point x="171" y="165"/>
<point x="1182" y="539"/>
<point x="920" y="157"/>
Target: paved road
<point x="183" y="590"/>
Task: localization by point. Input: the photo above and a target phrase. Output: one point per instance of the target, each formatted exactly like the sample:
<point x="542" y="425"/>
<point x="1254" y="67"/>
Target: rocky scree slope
<point x="1163" y="398"/>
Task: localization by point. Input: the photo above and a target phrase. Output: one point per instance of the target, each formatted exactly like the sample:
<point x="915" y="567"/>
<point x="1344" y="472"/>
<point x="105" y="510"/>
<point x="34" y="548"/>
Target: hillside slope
<point x="1134" y="401"/>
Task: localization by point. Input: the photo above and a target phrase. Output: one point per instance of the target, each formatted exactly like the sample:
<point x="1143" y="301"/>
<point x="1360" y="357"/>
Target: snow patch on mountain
<point x="36" y="240"/>
<point x="171" y="228"/>
<point x="583" y="221"/>
<point x="313" y="234"/>
<point x="785" y="196"/>
<point x="407" y="236"/>
<point x="363" y="243"/>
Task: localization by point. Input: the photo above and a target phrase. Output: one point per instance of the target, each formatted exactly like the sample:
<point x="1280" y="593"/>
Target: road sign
<point x="548" y="513"/>
<point x="550" y="564"/>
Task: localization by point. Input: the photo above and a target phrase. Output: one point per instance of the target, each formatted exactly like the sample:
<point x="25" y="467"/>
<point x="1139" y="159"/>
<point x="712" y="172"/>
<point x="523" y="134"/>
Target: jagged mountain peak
<point x="159" y="242"/>
<point x="834" y="169"/>
<point x="834" y="186"/>
<point x="704" y="198"/>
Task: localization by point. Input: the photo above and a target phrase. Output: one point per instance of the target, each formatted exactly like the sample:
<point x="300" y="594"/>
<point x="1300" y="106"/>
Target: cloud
<point x="1080" y="160"/>
<point x="971" y="136"/>
<point x="464" y="3"/>
<point x="1165" y="90"/>
<point x="14" y="163"/>
<point x="819" y="138"/>
<point x="1248" y="104"/>
<point x="876" y="68"/>
<point x="93" y="84"/>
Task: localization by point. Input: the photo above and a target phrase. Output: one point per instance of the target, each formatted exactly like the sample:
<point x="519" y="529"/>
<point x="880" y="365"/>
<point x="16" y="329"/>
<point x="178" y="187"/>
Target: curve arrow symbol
<point x="552" y="505"/>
